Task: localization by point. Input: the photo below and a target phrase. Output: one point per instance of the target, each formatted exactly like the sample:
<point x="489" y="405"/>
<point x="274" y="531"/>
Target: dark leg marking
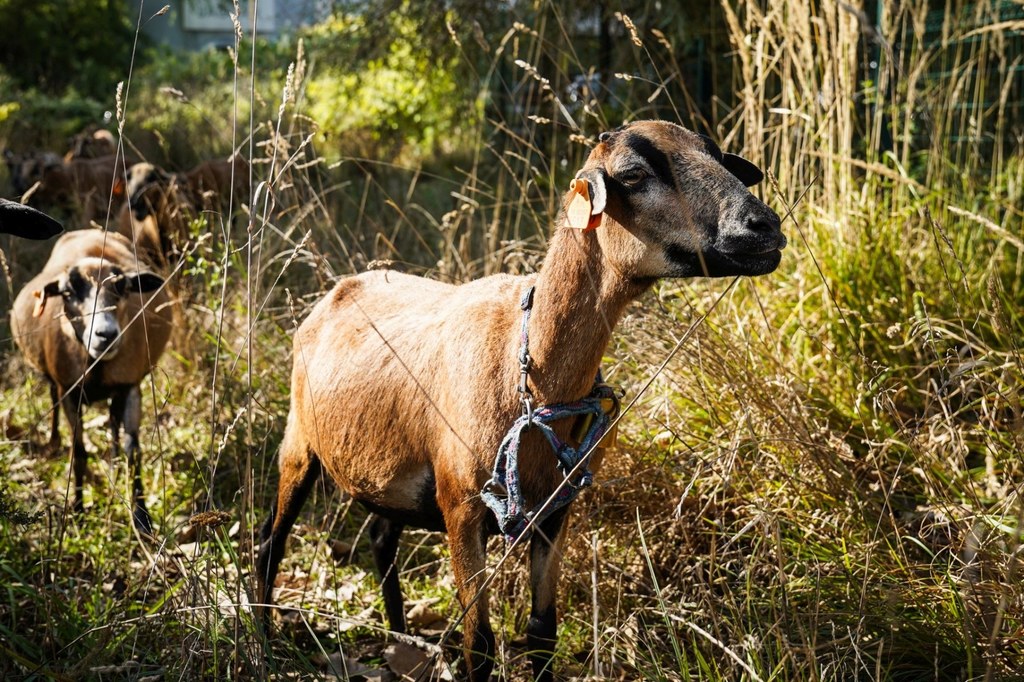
<point x="384" y="535"/>
<point x="291" y="495"/>
<point x="542" y="628"/>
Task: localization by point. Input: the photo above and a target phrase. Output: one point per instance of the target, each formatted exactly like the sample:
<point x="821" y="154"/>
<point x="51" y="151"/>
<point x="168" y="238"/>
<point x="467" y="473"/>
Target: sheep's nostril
<point x="106" y="334"/>
<point x="762" y="222"/>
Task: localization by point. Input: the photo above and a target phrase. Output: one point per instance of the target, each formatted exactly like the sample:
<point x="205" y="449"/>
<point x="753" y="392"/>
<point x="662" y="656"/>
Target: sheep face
<point x="27" y="169"/>
<point x="147" y="185"/>
<point x="92" y="292"/>
<point x="674" y="205"/>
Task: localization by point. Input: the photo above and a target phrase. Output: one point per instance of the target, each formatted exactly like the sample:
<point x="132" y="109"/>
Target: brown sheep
<point x="403" y="388"/>
<point x="91" y="145"/>
<point x="158" y="212"/>
<point x="101" y="337"/>
<point x="86" y="186"/>
<point x="27" y="169"/>
<point x="161" y="205"/>
<point x="216" y="181"/>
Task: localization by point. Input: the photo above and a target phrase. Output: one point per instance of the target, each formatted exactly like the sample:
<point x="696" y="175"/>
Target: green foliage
<point x="407" y="96"/>
<point x="36" y="119"/>
<point x="80" y="44"/>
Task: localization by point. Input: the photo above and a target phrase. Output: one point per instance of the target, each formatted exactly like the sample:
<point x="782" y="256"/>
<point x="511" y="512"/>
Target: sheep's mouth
<point x="754" y="263"/>
<point x="104" y="352"/>
<point x="719" y="263"/>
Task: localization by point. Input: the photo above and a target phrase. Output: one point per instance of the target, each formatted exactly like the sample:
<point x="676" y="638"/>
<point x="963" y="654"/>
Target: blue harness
<point x="502" y="494"/>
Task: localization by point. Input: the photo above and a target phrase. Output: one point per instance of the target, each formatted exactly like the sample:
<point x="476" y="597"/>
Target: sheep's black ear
<point x="143" y="282"/>
<point x="748" y="173"/>
<point x="26" y="222"/>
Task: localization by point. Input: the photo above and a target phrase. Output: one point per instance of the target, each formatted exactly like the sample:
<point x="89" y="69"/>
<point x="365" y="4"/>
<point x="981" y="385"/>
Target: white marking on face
<point x="92" y="310"/>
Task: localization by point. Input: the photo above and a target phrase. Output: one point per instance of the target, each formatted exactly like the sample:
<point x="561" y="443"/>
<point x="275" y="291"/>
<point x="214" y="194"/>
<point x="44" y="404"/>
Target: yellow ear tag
<point x="578" y="215"/>
<point x="37" y="309"/>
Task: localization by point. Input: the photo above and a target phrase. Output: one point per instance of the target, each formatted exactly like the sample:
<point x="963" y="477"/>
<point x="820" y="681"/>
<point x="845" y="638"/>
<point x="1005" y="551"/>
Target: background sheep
<point x="85" y="186"/>
<point x="91" y="144"/>
<point x="27" y="168"/>
<point x="159" y="208"/>
<point x="216" y="181"/>
<point x="98" y="342"/>
<point x="161" y="205"/>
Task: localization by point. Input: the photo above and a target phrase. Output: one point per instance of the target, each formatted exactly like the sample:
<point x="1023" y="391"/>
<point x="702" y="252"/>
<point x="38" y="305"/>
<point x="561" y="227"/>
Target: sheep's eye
<point x="632" y="176"/>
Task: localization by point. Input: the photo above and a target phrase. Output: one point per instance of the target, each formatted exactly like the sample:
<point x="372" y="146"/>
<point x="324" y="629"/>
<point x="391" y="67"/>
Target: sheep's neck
<point x="577" y="303"/>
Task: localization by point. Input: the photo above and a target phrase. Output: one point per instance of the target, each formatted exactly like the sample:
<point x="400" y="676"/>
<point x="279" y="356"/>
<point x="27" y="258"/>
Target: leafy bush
<point x="34" y="118"/>
<point x="74" y="44"/>
<point x="402" y="98"/>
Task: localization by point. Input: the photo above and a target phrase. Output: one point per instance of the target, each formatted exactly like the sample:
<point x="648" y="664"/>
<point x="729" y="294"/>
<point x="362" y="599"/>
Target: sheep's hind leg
<point x="300" y="469"/>
<point x="384" y="535"/>
<point x="126" y="409"/>
<point x="465" y="523"/>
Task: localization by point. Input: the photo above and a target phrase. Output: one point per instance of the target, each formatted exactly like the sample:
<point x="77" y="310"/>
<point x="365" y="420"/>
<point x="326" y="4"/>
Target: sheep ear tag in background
<point x="579" y="214"/>
<point x="40" y="306"/>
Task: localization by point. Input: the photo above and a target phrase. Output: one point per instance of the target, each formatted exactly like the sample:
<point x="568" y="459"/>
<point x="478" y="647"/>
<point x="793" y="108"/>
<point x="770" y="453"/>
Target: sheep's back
<point x="389" y="362"/>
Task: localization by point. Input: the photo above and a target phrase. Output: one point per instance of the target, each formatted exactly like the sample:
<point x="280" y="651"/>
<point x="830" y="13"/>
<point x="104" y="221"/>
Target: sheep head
<point x="93" y="293"/>
<point x="147" y="188"/>
<point x="666" y="202"/>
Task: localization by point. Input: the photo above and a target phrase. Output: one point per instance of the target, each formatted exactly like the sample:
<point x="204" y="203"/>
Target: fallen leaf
<point x="421" y="616"/>
<point x="341" y="667"/>
<point x="341" y="552"/>
<point x="410" y="663"/>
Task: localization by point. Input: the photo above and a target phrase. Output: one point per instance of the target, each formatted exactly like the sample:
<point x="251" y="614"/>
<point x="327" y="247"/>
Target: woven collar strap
<point x="503" y="494"/>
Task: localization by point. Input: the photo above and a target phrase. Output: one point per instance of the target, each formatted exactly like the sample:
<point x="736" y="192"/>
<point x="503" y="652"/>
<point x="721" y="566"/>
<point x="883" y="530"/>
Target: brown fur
<point x="43" y="327"/>
<point x="161" y="205"/>
<point x="91" y="144"/>
<point x="213" y="183"/>
<point x="158" y="212"/>
<point x="26" y="169"/>
<point x="84" y="185"/>
<point x="144" y="235"/>
<point x="397" y="376"/>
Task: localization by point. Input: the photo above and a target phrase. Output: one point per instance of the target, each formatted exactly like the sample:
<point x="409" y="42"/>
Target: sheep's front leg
<point x="72" y="402"/>
<point x="126" y="410"/>
<point x="465" y="523"/>
<point x="53" y="447"/>
<point x="300" y="468"/>
<point x="545" y="565"/>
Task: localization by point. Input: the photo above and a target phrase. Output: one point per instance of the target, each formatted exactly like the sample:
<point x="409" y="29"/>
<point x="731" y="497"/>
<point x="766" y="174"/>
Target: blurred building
<point x="197" y="24"/>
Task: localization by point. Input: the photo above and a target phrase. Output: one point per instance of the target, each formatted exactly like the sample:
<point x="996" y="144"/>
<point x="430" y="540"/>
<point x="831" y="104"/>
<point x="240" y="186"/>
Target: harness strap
<point x="502" y="493"/>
